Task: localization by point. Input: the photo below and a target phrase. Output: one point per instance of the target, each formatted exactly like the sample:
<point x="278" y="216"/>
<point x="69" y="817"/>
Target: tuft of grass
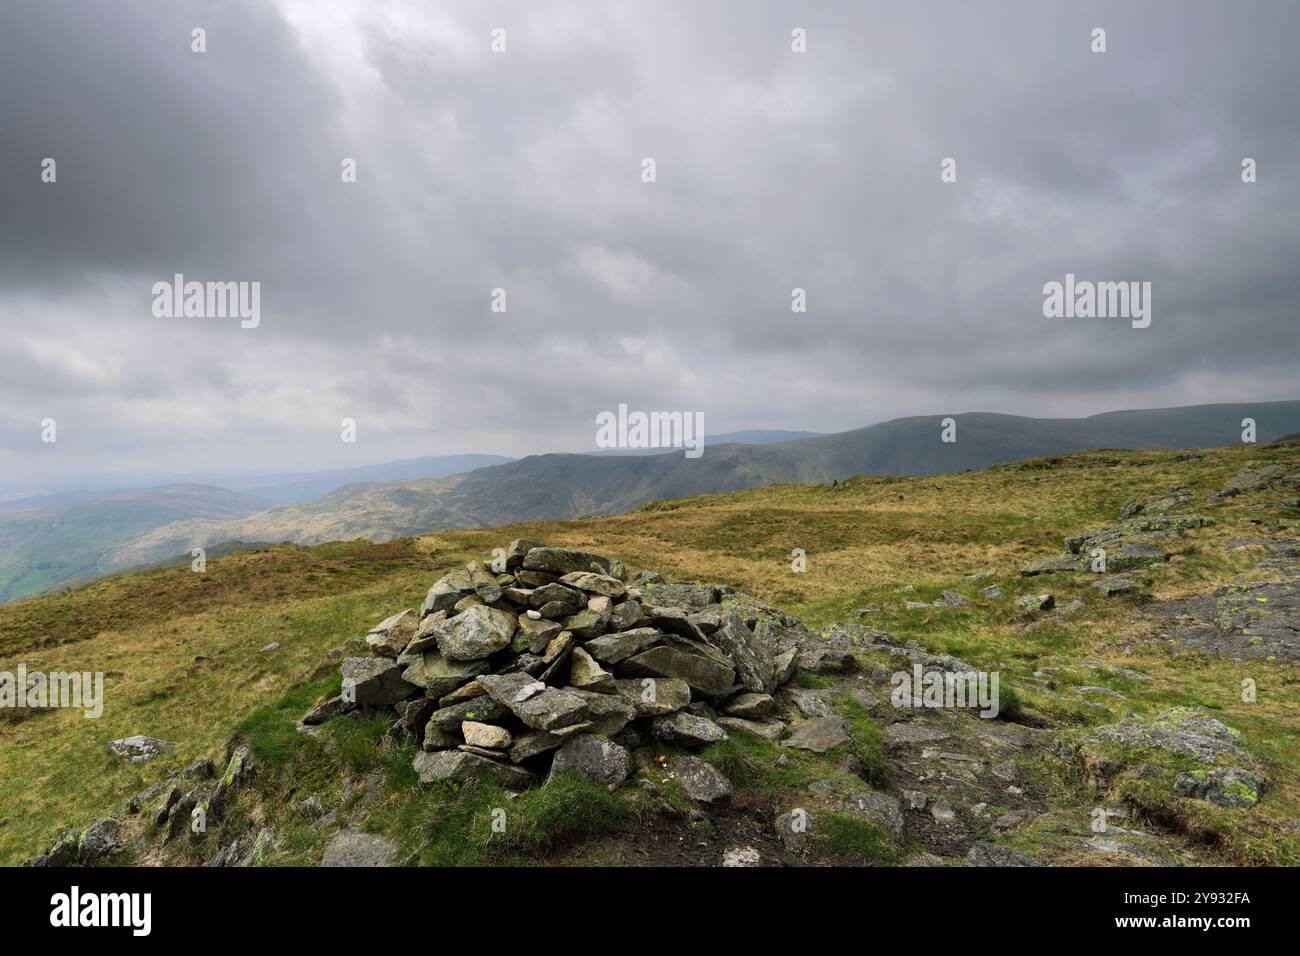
<point x="868" y="739"/>
<point x="271" y="731"/>
<point x="569" y="807"/>
<point x="846" y="834"/>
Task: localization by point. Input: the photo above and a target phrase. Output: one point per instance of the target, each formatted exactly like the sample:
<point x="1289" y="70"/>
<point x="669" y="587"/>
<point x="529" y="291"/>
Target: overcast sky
<point x="523" y="170"/>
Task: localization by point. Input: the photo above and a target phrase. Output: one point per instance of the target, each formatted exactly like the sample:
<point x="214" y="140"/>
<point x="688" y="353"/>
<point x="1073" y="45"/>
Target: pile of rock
<point x="552" y="659"/>
<point x="1138" y="541"/>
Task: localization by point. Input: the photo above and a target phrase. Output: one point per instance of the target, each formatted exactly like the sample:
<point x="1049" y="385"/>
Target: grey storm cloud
<point x="521" y="171"/>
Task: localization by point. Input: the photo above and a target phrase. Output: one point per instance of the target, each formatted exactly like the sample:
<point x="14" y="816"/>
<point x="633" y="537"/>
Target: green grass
<point x="842" y="833"/>
<point x="865" y="539"/>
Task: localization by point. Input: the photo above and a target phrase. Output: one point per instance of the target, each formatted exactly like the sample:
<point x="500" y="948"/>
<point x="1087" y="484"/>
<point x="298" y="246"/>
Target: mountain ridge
<point x="563" y="485"/>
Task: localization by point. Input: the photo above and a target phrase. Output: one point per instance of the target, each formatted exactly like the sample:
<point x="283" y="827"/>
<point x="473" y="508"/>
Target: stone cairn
<point x="552" y="659"/>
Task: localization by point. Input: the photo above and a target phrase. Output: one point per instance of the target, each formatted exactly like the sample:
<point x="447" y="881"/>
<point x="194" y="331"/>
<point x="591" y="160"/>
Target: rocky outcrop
<point x="545" y="663"/>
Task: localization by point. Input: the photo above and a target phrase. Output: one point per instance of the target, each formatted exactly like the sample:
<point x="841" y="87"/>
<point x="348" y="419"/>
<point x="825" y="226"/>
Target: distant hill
<point x="60" y="537"/>
<point x="754" y="436"/>
<point x="306" y="486"/>
<point x="577" y="485"/>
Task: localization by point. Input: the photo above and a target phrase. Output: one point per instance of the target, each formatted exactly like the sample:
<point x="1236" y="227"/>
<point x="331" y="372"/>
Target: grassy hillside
<point x="183" y="651"/>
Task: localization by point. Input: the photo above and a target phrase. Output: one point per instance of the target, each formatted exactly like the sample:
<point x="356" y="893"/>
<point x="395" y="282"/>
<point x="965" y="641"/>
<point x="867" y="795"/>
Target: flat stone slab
<point x="351" y="848"/>
<point x="819" y="734"/>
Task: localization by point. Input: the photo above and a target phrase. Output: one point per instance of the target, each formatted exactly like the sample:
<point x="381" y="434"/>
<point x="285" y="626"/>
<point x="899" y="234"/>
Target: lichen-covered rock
<point x="1224" y="786"/>
<point x="1189" y="731"/>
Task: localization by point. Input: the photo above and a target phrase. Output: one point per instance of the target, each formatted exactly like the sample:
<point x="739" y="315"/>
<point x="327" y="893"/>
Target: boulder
<point x="586" y="674"/>
<point x="592" y="620"/>
<point x="771" y="729"/>
<point x="700" y="780"/>
<point x="654" y="696"/>
<point x="819" y="734"/>
<point x="613" y="648"/>
<point x="563" y="561"/>
<point x="703" y="673"/>
<point x="458" y="766"/>
<point x="751" y="657"/>
<point x="475" y="634"/>
<point x="594" y="757"/>
<point x="392" y="634"/>
<point x="601" y="584"/>
<point x="440" y="676"/>
<point x="446" y="591"/>
<point x="687" y="729"/>
<point x="545" y="709"/>
<point x="517" y="551"/>
<point x="487" y="736"/>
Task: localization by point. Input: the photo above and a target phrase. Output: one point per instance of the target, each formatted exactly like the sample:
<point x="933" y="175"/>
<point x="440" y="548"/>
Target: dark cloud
<point x="521" y="171"/>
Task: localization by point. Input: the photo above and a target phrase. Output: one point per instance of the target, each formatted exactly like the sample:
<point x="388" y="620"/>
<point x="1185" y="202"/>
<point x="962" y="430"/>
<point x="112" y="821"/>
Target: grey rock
<point x="990" y="854"/>
<point x="687" y="729"/>
<point x="1224" y="786"/>
<point x="702" y="672"/>
<point x="586" y="674"/>
<point x="613" y="648"/>
<point x="1036" y="602"/>
<point x="446" y="591"/>
<point x="592" y="583"/>
<point x="440" y="676"/>
<point x="352" y="848"/>
<point x="548" y="709"/>
<point x="818" y="735"/>
<point x="392" y="634"/>
<point x="459" y="766"/>
<point x="594" y="757"/>
<point x="770" y="729"/>
<point x="1064" y="562"/>
<point x="751" y="705"/>
<point x="564" y="561"/>
<point x="751" y="656"/>
<point x="655" y="696"/>
<point x="375" y="681"/>
<point x="880" y="808"/>
<point x="328" y="708"/>
<point x="138" y="748"/>
<point x="475" y="634"/>
<point x="700" y="780"/>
